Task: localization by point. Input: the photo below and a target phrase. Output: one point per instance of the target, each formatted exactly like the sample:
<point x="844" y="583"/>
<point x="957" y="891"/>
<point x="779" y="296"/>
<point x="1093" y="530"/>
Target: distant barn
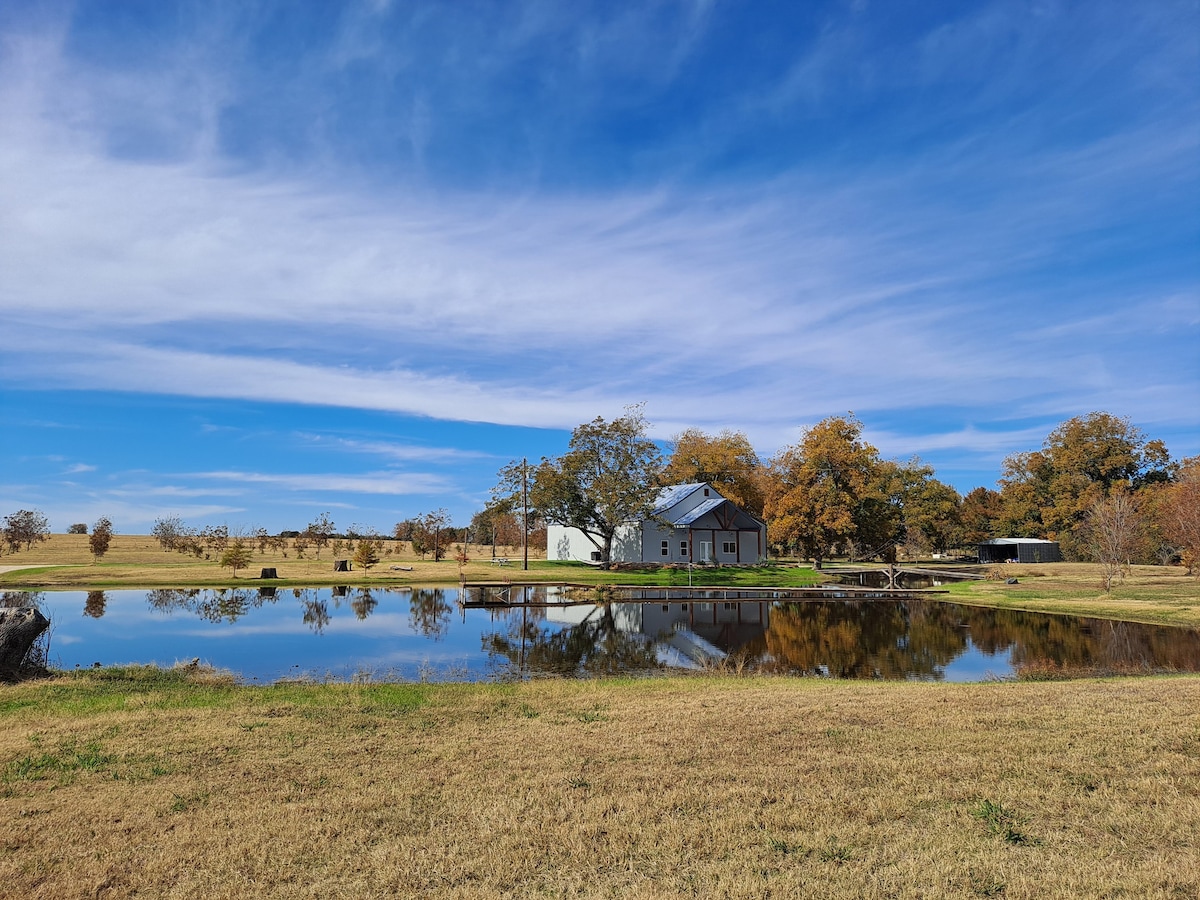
<point x="1026" y="550"/>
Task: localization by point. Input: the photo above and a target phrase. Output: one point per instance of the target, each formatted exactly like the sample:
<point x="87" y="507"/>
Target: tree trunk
<point x="19" y="628"/>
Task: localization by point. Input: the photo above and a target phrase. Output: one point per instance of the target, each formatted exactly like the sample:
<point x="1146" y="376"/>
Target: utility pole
<point x="525" y="512"/>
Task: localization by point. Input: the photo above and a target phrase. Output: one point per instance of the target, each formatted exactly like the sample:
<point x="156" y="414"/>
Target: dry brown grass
<point x="703" y="787"/>
<point x="1161" y="595"/>
<point x="138" y="561"/>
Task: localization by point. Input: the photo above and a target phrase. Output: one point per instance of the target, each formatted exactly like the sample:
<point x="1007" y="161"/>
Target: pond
<point x="345" y="634"/>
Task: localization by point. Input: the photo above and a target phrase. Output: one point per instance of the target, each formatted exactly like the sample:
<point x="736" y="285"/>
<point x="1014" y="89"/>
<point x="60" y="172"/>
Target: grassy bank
<point x="147" y="783"/>
<point x="1158" y="595"/>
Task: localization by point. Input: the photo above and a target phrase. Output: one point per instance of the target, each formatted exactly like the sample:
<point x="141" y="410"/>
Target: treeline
<point x="431" y="535"/>
<point x="1098" y="486"/>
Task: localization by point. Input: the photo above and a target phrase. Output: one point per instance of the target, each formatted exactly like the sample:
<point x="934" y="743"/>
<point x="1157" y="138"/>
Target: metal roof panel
<point x="704" y="508"/>
<point x="669" y="496"/>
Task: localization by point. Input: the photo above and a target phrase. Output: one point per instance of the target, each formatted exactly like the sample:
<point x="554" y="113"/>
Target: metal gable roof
<point x="704" y="508"/>
<point x="669" y="496"/>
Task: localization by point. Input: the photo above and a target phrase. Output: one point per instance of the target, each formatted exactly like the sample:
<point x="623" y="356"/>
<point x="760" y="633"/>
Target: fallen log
<point x="20" y="626"/>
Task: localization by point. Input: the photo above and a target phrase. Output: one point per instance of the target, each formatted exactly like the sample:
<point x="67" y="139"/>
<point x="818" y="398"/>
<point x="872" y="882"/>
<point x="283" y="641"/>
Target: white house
<point x="690" y="523"/>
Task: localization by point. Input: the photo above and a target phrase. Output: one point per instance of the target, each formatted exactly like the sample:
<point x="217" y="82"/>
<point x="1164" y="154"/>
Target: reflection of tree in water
<point x="212" y="605"/>
<point x="95" y="604"/>
<point x="898" y="639"/>
<point x="593" y="647"/>
<point x="429" y="612"/>
<point x="229" y="604"/>
<point x="315" y="609"/>
<point x="1086" y="645"/>
<point x="861" y="639"/>
<point x="363" y="603"/>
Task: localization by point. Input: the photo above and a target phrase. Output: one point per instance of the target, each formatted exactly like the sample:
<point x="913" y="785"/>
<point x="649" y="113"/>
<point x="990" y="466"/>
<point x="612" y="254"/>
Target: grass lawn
<point x="165" y="784"/>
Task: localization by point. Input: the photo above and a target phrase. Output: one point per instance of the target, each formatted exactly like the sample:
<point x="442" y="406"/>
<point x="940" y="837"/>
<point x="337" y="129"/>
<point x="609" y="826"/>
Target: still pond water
<point x="424" y="633"/>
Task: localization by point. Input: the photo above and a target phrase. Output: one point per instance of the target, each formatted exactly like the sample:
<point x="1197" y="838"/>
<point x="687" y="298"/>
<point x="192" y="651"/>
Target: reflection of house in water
<point x="685" y="635"/>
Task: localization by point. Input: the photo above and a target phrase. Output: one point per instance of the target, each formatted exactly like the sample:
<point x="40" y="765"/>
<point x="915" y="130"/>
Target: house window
<point x="666" y="548"/>
<point x="595" y="556"/>
<point x="666" y="608"/>
<point x="706" y="492"/>
<point x="683" y="548"/>
<point x="729" y="547"/>
<point x="705" y="551"/>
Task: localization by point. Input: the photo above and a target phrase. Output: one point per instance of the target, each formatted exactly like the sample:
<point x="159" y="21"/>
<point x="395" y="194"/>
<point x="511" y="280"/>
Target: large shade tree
<point x="727" y="461"/>
<point x="608" y="476"/>
<point x="817" y="489"/>
<point x="905" y="505"/>
<point x="1050" y="492"/>
<point x="1179" y="513"/>
<point x="980" y="511"/>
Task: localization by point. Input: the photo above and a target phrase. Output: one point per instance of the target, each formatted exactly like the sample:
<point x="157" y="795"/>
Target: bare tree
<point x="1112" y="533"/>
<point x="168" y="531"/>
<point x="26" y="526"/>
<point x="429" y="533"/>
<point x="319" y="531"/>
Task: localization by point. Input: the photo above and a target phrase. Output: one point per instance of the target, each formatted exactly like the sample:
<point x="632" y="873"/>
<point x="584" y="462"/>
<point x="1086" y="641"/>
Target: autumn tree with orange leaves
<point x="727" y="461"/>
<point x="817" y="487"/>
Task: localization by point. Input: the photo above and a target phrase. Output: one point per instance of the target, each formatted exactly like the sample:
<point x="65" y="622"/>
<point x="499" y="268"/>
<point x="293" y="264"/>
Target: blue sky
<point x="263" y="260"/>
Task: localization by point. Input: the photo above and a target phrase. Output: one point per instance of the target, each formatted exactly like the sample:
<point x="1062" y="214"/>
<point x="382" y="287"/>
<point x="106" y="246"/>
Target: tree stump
<point x="341" y="565"/>
<point x="269" y="573"/>
<point x="19" y="628"/>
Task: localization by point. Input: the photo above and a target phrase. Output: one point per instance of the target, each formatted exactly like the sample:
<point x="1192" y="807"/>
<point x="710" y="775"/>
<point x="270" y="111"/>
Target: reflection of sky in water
<point x="270" y="637"/>
<point x="979" y="665"/>
<point x="272" y="640"/>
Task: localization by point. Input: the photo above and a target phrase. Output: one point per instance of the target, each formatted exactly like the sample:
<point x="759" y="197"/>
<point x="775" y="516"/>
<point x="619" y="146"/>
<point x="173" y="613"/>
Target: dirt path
<point x="4" y="569"/>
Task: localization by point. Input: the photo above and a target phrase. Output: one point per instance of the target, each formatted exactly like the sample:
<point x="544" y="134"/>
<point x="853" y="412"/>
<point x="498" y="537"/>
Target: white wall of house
<point x="653" y="536"/>
<point x="573" y="544"/>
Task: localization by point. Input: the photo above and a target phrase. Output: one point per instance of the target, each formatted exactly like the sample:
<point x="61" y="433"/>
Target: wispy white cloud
<point x="969" y="271"/>
<point x="371" y="483"/>
<point x="395" y="451"/>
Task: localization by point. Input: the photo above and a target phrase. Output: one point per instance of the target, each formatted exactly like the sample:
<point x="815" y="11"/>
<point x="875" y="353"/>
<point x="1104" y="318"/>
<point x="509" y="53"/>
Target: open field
<point x="138" y="561"/>
<point x="1154" y="594"/>
<point x="114" y="784"/>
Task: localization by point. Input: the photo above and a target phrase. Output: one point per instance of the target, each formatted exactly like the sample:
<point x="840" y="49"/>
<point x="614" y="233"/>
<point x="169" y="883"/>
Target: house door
<point x="706" y="551"/>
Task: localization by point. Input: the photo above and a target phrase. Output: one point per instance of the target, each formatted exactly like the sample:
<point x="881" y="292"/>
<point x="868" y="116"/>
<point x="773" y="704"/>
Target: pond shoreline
<point x="417" y="633"/>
